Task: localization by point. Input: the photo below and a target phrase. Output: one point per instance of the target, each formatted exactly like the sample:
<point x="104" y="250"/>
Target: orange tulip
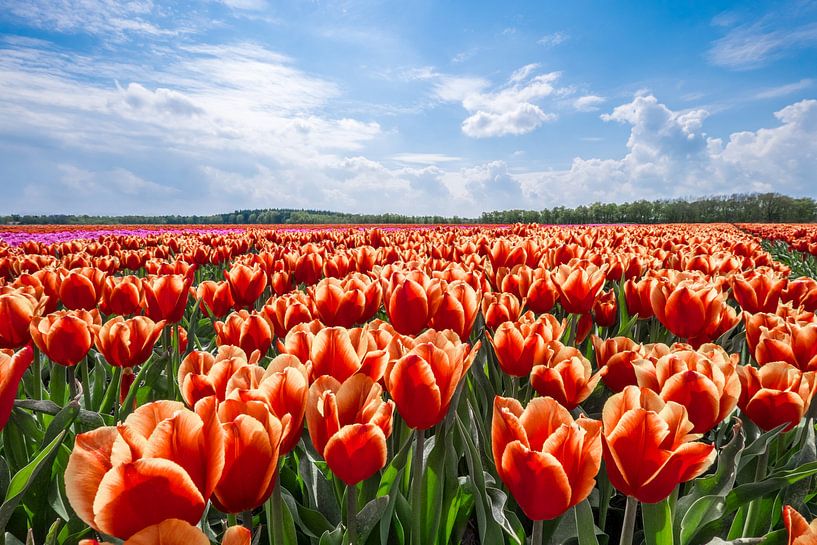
<point x="249" y="331"/>
<point x="17" y="308"/>
<point x="790" y="342"/>
<point x="163" y="462"/>
<point x="298" y="340"/>
<point x="637" y="296"/>
<point x="802" y="292"/>
<point x="12" y="367"/>
<point x="756" y="323"/>
<point x="707" y="385"/>
<point x="65" y="336"/>
<point x="564" y="374"/>
<point x="347" y="302"/>
<point x="252" y="437"/>
<point x="519" y="345"/>
<point x="694" y="311"/>
<point x="349" y="424"/>
<point x="122" y="295"/>
<point x="777" y="393"/>
<point x="411" y="300"/>
<point x="215" y="297"/>
<point x="168" y="532"/>
<point x="166" y="296"/>
<point x="605" y="309"/>
<point x="424" y="380"/>
<point x="201" y="374"/>
<point x="46" y="284"/>
<point x="81" y="288"/>
<point x="498" y="308"/>
<point x="308" y="268"/>
<point x="542" y="293"/>
<point x="548" y="461"/>
<point x="799" y="530"/>
<point x="615" y="358"/>
<point x="288" y="310"/>
<point x="246" y="284"/>
<point x="126" y="343"/>
<point x="647" y="444"/>
<point x="758" y="291"/>
<point x="578" y="286"/>
<point x="458" y="309"/>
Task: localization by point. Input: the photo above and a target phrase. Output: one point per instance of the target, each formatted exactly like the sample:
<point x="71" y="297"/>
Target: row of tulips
<point x="455" y="384"/>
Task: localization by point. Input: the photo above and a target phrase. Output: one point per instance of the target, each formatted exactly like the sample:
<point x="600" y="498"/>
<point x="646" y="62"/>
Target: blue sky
<point x="414" y="107"/>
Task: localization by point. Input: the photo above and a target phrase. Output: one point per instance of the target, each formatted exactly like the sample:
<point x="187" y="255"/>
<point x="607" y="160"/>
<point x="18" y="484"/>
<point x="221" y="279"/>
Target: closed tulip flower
<point x="349" y="424"/>
<point x="458" y="309"/>
<point x="246" y="284"/>
<point x="65" y="336"/>
<point x="17" y="308"/>
<point x="758" y="291"/>
<point x="201" y="374"/>
<point x="637" y="296"/>
<point x="520" y="345"/>
<point x="498" y="308"/>
<point x="547" y="460"/>
<point x="122" y="295"/>
<point x="288" y="310"/>
<point x="605" y="309"/>
<point x="411" y="300"/>
<point x="12" y="367"/>
<point x="542" y="293"/>
<point x="352" y="300"/>
<point x="694" y="311"/>
<point x="81" y="288"/>
<point x="249" y="331"/>
<point x="166" y="295"/>
<point x="648" y="445"/>
<point x="800" y="532"/>
<point x="163" y="462"/>
<point x="578" y="286"/>
<point x="126" y="343"/>
<point x="423" y="381"/>
<point x="777" y="393"/>
<point x="215" y="297"/>
<point x="178" y="532"/>
<point x="564" y="374"/>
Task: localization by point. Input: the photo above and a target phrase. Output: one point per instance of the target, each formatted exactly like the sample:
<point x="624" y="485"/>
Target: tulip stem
<point x="127" y="405"/>
<point x="351" y="513"/>
<point x="86" y="383"/>
<point x="273" y="508"/>
<point x="536" y="536"/>
<point x="246" y="520"/>
<point x="71" y="376"/>
<point x="36" y="371"/>
<point x="417" y="487"/>
<point x="628" y="529"/>
<point x="754" y="505"/>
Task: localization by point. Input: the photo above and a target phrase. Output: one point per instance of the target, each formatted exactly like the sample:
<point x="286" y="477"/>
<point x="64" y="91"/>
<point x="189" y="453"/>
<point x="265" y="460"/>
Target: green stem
<point x="605" y="490"/>
<point x="628" y="528"/>
<point x="274" y="513"/>
<point x="72" y="382"/>
<point x="417" y="488"/>
<point x="86" y="383"/>
<point x="127" y="406"/>
<point x="536" y="536"/>
<point x="36" y="370"/>
<point x="231" y="520"/>
<point x="112" y="392"/>
<point x="754" y="505"/>
<point x="657" y="518"/>
<point x="351" y="513"/>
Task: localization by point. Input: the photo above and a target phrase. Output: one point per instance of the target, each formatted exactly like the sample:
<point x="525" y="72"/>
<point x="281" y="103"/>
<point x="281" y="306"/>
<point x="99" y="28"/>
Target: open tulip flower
<point x="520" y="345"/>
<point x="564" y="374"/>
<point x="648" y="445"/>
<point x="201" y="374"/>
<point x="163" y="462"/>
<point x="498" y="308"/>
<point x="578" y="285"/>
<point x="127" y="343"/>
<point x="637" y="296"/>
<point x="801" y="292"/>
<point x="790" y="342"/>
<point x="353" y="300"/>
<point x="249" y="330"/>
<point x="423" y="381"/>
<point x="777" y="393"/>
<point x="286" y="311"/>
<point x="548" y="461"/>
<point x="122" y="295"/>
<point x="349" y="424"/>
<point x="694" y="311"/>
<point x="759" y="290"/>
<point x="178" y="532"/>
<point x="616" y="356"/>
<point x="65" y="336"/>
<point x="12" y="367"/>
<point x="800" y="532"/>
<point x="215" y="297"/>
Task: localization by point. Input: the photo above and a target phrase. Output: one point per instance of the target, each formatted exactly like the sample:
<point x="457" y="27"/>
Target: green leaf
<point x="657" y="518"/>
<point x="319" y="490"/>
<point x="585" y="524"/>
<point x="53" y="532"/>
<point x="368" y="517"/>
<point x="335" y="537"/>
<point x="22" y="479"/>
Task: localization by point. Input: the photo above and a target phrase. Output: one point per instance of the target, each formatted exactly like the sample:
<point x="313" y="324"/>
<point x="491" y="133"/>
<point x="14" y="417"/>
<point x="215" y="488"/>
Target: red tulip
<point x="126" y="343"/>
<point x="411" y="300"/>
<point x="498" y="308"/>
<point x="65" y="336"/>
<point x="520" y="345"/>
<point x="288" y="310"/>
<point x="215" y="297"/>
<point x="12" y="367"/>
<point x="122" y="295"/>
<point x="758" y="292"/>
<point x="578" y="286"/>
<point x="81" y="288"/>
<point x="246" y="284"/>
<point x="697" y="312"/>
<point x="202" y="375"/>
<point x="790" y="342"/>
<point x="250" y="331"/>
<point x="564" y="374"/>
<point x="347" y="302"/>
<point x="166" y="296"/>
<point x="777" y="393"/>
<point x="17" y="308"/>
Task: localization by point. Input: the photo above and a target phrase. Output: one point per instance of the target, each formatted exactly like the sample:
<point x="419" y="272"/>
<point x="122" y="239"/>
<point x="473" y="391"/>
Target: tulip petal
<point x="414" y="389"/>
<point x="169" y="532"/>
<point x="89" y="462"/>
<point x="356" y="452"/>
<point x="537" y="482"/>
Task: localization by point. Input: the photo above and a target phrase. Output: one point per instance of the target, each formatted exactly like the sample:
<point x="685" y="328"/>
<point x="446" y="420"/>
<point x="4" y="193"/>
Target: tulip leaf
<point x="310" y="521"/>
<point x="585" y="524"/>
<point x="458" y="511"/>
<point x="369" y="516"/>
<point x="23" y="479"/>
<point x="433" y="487"/>
<point x="335" y="537"/>
<point x="759" y="446"/>
<point x="319" y="489"/>
<point x="5" y="476"/>
<point x="657" y="518"/>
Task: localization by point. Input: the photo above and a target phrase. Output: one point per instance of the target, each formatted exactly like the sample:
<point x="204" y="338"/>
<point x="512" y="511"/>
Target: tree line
<point x="743" y="208"/>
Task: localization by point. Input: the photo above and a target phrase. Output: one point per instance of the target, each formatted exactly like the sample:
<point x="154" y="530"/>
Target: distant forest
<point x="744" y="208"/>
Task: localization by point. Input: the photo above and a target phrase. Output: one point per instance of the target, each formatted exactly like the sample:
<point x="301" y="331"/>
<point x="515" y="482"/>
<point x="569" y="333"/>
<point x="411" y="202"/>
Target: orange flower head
<point x="694" y="311"/>
<point x="126" y="343"/>
<point x="790" y="342"/>
<point x="458" y="309"/>
<point x="122" y="295"/>
<point x="542" y="293"/>
<point x="498" y="308"/>
<point x="564" y="375"/>
<point x="215" y="297"/>
<point x="353" y="300"/>
<point x="800" y="532"/>
<point x="777" y="393"/>
<point x="756" y="323"/>
<point x="286" y="311"/>
<point x="17" y="309"/>
<point x="12" y="367"/>
<point x="411" y="300"/>
<point x="246" y="284"/>
<point x="759" y="292"/>
<point x="647" y="445"/>
<point x="349" y="423"/>
<point x="81" y="288"/>
<point x="520" y="345"/>
<point x="202" y="375"/>
<point x="605" y="309"/>
<point x="637" y="296"/>
<point x="547" y="460"/>
<point x="249" y="331"/>
<point x="65" y="336"/>
<point x="578" y="286"/>
<point x="801" y="292"/>
<point x="166" y="295"/>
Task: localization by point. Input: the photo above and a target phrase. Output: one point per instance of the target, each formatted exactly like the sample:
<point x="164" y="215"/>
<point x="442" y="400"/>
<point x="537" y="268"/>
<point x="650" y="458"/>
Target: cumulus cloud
<point x="588" y="103"/>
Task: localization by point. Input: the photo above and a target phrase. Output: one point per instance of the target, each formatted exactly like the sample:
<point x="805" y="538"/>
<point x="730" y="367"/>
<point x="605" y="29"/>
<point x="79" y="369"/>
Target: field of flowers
<point x="408" y="385"/>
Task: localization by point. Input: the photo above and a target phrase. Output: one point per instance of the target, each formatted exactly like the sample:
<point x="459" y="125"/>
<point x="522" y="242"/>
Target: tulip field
<point x="409" y="385"/>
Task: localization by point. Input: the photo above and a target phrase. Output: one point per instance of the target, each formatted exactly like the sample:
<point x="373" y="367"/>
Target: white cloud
<point x="753" y="45"/>
<point x="251" y="5"/>
<point x="519" y="119"/>
<point x="588" y="103"/>
<point x="785" y="90"/>
<point x="425" y="158"/>
<point x="556" y="38"/>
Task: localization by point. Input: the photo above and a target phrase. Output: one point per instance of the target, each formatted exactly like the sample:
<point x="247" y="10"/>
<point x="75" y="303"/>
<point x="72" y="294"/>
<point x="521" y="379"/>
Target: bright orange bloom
<point x="168" y="532"/>
<point x="246" y="284"/>
<point x="17" y="308"/>
<point x="349" y="424"/>
<point x="286" y="311"/>
<point x="298" y="340"/>
<point x="520" y="345"/>
<point x="705" y="382"/>
<point x="308" y="268"/>
<point x="250" y="331"/>
<point x="694" y="311"/>
<point x="790" y="342"/>
<point x="282" y="386"/>
<point x="201" y="374"/>
<point x="424" y="380"/>
<point x="12" y="367"/>
<point x="564" y="374"/>
<point x="65" y="336"/>
<point x="126" y="343"/>
<point x="163" y="462"/>
<point x="755" y="325"/>
<point x="122" y="295"/>
<point x="542" y="293"/>
<point x="802" y="292"/>
<point x="46" y="284"/>
<point x="216" y="297"/>
<point x="648" y="447"/>
<point x="758" y="291"/>
<point x="252" y="437"/>
<point x="799" y="530"/>
<point x="81" y="288"/>
<point x="353" y="300"/>
<point x="614" y="358"/>
<point x="458" y="309"/>
<point x="777" y="393"/>
<point x="548" y="461"/>
<point x="411" y="300"/>
<point x="166" y="296"/>
<point x="578" y="286"/>
<point x="498" y="308"/>
<point x="605" y="309"/>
